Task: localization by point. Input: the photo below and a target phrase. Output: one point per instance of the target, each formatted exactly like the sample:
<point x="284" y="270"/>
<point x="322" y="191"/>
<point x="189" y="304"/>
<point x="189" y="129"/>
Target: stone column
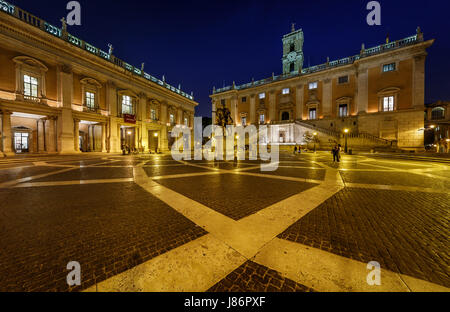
<point x="327" y="98"/>
<point x="179" y="116"/>
<point x="272" y="106"/>
<point x="252" y="109"/>
<point x="299" y="96"/>
<point x="114" y="136"/>
<point x="164" y="140"/>
<point x="213" y="115"/>
<point x="191" y="120"/>
<point x="144" y="136"/>
<point x="111" y="98"/>
<point x="51" y="142"/>
<point x="234" y="109"/>
<point x="44" y="135"/>
<point x="66" y="126"/>
<point x="40" y="135"/>
<point x="6" y="133"/>
<point x="76" y="134"/>
<point x="137" y="135"/>
<point x="419" y="82"/>
<point x="362" y="100"/>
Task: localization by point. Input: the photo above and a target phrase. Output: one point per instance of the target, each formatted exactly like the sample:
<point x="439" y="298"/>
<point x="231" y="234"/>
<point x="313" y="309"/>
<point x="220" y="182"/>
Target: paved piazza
<point x="149" y="223"/>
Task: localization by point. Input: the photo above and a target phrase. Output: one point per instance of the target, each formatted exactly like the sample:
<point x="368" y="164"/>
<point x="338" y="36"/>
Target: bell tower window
<point x="292" y="51"/>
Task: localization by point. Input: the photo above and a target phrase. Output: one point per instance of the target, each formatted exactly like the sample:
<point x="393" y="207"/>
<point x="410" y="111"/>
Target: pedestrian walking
<point x="295" y="150"/>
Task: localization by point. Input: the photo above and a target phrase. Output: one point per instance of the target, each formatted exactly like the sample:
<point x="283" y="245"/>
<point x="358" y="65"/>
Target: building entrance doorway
<point x="128" y="138"/>
<point x="21" y="142"/>
<point x="153" y="141"/>
<point x="282" y="137"/>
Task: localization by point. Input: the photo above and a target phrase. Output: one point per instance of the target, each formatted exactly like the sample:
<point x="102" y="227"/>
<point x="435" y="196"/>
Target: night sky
<point x="202" y="44"/>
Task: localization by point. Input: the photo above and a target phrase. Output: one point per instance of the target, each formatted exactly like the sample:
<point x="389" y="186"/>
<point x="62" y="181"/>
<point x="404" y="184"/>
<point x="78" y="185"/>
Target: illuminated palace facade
<point x="59" y="94"/>
<point x="375" y="98"/>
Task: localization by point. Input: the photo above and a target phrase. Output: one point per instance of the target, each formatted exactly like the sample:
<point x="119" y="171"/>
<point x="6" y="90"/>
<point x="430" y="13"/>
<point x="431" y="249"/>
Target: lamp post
<point x="315" y="137"/>
<point x="346" y="137"/>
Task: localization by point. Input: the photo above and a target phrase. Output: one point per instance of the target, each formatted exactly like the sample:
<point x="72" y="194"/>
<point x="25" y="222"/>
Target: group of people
<point x="297" y="149"/>
<point x="336" y="151"/>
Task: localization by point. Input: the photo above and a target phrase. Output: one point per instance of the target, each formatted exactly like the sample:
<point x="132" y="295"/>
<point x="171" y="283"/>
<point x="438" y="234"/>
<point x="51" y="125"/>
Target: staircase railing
<point x="359" y="135"/>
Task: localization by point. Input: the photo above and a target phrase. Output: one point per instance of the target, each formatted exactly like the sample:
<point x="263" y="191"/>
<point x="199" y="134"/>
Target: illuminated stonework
<point x="60" y="94"/>
<point x="378" y="95"/>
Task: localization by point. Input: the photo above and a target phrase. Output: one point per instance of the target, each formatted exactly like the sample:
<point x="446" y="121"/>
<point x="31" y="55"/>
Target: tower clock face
<point x="291" y="56"/>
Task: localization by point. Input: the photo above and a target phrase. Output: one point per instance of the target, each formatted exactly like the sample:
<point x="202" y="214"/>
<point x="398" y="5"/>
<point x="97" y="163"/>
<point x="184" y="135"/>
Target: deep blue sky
<point x="202" y="44"/>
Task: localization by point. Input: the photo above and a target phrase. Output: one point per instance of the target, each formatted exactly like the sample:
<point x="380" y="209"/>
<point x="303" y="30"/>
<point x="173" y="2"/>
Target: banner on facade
<point x="129" y="118"/>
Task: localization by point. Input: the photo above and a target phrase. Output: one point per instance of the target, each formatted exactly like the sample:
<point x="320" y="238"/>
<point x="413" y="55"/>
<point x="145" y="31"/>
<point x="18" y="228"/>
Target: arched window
<point x="285" y="116"/>
<point x="438" y="113"/>
<point x="292" y="47"/>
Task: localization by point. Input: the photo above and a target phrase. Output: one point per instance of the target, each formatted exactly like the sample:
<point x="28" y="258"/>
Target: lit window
<point x="262" y="118"/>
<point x="90" y="99"/>
<point x="127" y="105"/>
<point x="312" y="114"/>
<point x="343" y="79"/>
<point x="389" y="67"/>
<point x="244" y="121"/>
<point x="313" y="85"/>
<point x="153" y="114"/>
<point x="244" y="99"/>
<point x="185" y="121"/>
<point x="172" y="118"/>
<point x="30" y="86"/>
<point x="285" y="91"/>
<point x="343" y="110"/>
<point x="262" y="96"/>
<point x="388" y="103"/>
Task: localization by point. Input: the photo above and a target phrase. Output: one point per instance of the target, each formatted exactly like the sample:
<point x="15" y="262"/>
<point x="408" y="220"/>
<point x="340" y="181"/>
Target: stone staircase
<point x="357" y="141"/>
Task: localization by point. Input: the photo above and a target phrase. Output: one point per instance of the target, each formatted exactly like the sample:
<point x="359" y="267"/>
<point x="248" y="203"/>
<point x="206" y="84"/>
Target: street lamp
<point x="346" y="137"/>
<point x="156" y="134"/>
<point x="315" y="135"/>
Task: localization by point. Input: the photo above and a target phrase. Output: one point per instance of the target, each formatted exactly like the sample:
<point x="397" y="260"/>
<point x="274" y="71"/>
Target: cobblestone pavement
<point x="407" y="234"/>
<point x="253" y="277"/>
<point x="86" y="208"/>
<point x="91" y="173"/>
<point x="106" y="228"/>
<point x="236" y="196"/>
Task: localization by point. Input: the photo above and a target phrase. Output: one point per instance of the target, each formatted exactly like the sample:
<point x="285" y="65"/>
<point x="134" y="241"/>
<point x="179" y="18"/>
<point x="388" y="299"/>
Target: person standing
<point x="295" y="150"/>
<point x="339" y="149"/>
<point x="334" y="151"/>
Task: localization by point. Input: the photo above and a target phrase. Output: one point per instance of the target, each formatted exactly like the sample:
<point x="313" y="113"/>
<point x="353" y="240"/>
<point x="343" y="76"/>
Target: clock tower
<point x="293" y="51"/>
